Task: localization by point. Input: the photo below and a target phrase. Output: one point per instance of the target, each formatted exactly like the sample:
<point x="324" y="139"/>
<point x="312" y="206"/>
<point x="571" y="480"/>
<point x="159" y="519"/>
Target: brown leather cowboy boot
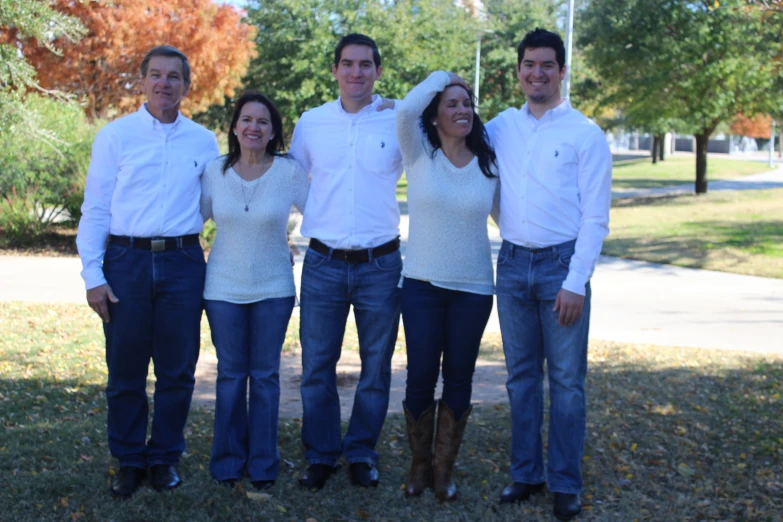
<point x="420" y="434"/>
<point x="447" y="442"/>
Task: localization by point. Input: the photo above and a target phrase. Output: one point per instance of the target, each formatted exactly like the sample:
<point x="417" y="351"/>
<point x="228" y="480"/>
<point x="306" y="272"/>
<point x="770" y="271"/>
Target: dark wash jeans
<point x="248" y="339"/>
<point x="329" y="288"/>
<point x="158" y="317"/>
<point x="528" y="281"/>
<point x="443" y="322"/>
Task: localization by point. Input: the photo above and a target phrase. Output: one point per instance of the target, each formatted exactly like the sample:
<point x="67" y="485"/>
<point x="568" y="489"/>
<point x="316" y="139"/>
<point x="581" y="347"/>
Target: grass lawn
<point x="641" y="173"/>
<point x="673" y="434"/>
<point x="402" y="189"/>
<point x="739" y="232"/>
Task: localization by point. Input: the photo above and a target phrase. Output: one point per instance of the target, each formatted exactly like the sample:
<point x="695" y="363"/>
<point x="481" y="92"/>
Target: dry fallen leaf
<point x="685" y="470"/>
<point x="257" y="497"/>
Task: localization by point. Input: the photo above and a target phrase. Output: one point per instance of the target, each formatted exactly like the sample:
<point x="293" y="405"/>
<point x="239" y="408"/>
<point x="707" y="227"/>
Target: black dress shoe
<point x="567" y="506"/>
<point x="263" y="484"/>
<point x="315" y="476"/>
<point x="364" y="475"/>
<point x="127" y="481"/>
<point x="165" y="477"/>
<point x="229" y="483"/>
<point x="519" y="492"/>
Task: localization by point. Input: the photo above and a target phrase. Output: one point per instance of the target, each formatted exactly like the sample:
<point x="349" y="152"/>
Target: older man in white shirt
<point x="144" y="269"/>
<point x="350" y="149"/>
<point x="555" y="173"/>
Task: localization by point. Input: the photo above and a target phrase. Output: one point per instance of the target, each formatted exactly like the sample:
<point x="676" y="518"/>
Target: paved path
<point x="633" y="301"/>
<point x="763" y="180"/>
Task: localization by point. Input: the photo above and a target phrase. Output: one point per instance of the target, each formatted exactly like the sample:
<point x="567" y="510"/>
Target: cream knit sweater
<point x="250" y="259"/>
<point x="448" y="206"/>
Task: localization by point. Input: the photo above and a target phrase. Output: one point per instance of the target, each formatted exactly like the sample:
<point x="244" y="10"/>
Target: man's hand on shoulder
<point x="388" y="103"/>
<point x="570" y="306"/>
<point x="98" y="298"/>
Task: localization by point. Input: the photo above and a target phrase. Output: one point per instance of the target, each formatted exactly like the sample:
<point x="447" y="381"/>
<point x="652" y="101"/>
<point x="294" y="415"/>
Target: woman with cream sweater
<point x="447" y="283"/>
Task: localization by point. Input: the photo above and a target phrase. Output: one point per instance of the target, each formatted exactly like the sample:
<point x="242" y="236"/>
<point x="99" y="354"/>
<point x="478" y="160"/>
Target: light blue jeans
<point x="528" y="281"/>
<point x="329" y="288"/>
<point x="248" y="339"/>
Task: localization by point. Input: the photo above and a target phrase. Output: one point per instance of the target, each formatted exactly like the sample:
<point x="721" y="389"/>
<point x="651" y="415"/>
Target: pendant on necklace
<point x="245" y="208"/>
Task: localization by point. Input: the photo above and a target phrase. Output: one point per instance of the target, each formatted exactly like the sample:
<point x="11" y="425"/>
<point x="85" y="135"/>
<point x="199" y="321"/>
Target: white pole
<point x="568" y="43"/>
<point x="772" y="145"/>
<point x="478" y="65"/>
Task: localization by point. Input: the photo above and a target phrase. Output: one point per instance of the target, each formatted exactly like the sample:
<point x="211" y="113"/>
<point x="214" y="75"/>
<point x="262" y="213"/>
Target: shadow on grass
<point x="670" y="437"/>
<point x="691" y="243"/>
<point x="644" y="183"/>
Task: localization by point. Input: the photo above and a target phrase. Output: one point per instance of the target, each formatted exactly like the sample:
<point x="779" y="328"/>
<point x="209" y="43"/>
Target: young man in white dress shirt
<point x="555" y="173"/>
<point x="143" y="268"/>
<point x="350" y="150"/>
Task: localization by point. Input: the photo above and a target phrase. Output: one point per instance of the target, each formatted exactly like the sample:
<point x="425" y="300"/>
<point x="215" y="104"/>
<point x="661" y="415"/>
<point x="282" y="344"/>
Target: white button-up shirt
<point x="354" y="163"/>
<point x="144" y="181"/>
<point x="555" y="184"/>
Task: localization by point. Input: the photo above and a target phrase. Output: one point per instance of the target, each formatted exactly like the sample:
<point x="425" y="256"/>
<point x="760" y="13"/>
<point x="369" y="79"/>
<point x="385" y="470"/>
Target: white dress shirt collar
<point x="373" y="105"/>
<point x="148" y="120"/>
<point x="563" y="108"/>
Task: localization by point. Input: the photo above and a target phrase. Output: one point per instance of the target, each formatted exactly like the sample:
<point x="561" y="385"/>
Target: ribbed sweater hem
<point x="247" y="300"/>
<point x="441" y="279"/>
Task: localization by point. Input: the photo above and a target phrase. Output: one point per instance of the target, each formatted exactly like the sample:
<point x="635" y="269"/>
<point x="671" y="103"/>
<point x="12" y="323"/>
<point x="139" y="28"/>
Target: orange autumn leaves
<point x="103" y="67"/>
<point x="758" y="126"/>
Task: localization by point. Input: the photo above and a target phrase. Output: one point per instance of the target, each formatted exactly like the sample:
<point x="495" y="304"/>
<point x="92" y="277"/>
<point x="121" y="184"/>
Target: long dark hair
<point x="477" y="139"/>
<point x="275" y="144"/>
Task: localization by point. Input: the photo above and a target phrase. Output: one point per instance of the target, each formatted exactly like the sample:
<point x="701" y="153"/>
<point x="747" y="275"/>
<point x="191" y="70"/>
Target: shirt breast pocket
<point x="561" y="162"/>
<point x="379" y="153"/>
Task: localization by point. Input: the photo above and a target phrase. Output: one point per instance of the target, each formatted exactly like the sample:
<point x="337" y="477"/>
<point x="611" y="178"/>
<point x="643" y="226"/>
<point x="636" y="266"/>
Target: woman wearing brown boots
<point x="447" y="283"/>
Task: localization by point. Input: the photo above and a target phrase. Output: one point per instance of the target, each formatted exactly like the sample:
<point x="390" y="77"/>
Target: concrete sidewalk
<point x="633" y="301"/>
<point x="764" y="180"/>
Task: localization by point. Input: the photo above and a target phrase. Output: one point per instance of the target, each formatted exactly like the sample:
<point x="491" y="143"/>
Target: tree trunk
<point x="661" y="146"/>
<point x="654" y="149"/>
<point x="780" y="143"/>
<point x="701" y="162"/>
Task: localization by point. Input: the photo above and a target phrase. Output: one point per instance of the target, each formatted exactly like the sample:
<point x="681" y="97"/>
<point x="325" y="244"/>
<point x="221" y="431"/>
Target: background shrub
<point x="42" y="180"/>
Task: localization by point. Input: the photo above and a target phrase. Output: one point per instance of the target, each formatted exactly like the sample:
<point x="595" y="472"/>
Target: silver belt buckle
<point x="158" y="245"/>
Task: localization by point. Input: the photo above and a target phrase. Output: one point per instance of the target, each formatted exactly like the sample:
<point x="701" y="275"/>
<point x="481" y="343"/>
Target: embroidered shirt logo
<point x="195" y="163"/>
<point x="557" y="153"/>
<point x="383" y="144"/>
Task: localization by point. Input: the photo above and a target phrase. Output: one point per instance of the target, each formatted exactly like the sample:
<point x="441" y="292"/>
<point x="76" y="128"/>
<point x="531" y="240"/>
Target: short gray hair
<point x="166" y="50"/>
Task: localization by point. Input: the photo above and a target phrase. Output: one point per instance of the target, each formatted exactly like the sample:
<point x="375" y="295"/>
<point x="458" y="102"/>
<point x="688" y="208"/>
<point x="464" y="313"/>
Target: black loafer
<point x="519" y="492"/>
<point x="316" y="475"/>
<point x="165" y="477"/>
<point x="229" y="483"/>
<point x="567" y="506"/>
<point x="364" y="475"/>
<point x="127" y="482"/>
<point x="263" y="484"/>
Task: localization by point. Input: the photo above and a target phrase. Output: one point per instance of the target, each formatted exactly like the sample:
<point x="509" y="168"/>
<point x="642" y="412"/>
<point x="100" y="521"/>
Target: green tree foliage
<point x="694" y="62"/>
<point x="296" y="40"/>
<point x="509" y="20"/>
<point x="40" y="184"/>
<point x="21" y="19"/>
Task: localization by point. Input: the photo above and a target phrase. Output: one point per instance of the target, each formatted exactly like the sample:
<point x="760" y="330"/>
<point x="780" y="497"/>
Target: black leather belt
<point x="357" y="256"/>
<point x="155" y="244"/>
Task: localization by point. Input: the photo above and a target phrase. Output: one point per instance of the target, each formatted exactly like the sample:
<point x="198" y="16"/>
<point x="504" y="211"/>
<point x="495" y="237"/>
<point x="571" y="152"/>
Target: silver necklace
<point x="253" y="193"/>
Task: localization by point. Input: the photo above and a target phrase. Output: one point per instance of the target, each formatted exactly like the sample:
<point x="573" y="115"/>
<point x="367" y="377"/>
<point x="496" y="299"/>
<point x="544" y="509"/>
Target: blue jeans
<point x="528" y="281"/>
<point x="329" y="288"/>
<point x="441" y="321"/>
<point x="248" y="339"/>
<point x="158" y="317"/>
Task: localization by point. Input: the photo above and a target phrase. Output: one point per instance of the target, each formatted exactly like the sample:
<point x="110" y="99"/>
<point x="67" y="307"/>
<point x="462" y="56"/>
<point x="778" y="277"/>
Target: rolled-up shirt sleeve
<point x="595" y="190"/>
<point x="96" y="209"/>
